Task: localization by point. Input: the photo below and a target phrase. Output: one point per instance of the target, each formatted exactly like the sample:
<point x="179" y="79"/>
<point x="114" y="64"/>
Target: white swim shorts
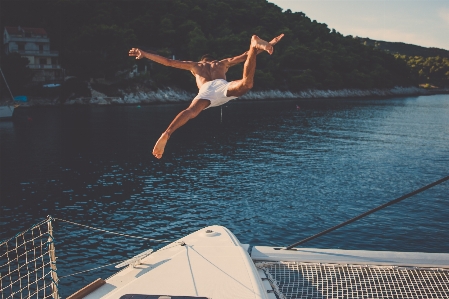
<point x="215" y="91"/>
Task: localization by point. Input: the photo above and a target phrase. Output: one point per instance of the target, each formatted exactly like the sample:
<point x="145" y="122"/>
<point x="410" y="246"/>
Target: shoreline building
<point x="34" y="44"/>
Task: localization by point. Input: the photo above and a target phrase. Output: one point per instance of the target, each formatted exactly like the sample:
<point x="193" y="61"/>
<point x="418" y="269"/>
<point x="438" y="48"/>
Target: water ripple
<point x="270" y="173"/>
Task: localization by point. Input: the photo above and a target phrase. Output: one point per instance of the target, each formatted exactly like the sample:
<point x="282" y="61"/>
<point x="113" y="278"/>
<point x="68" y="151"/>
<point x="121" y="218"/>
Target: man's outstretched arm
<point x="184" y="65"/>
<point x="242" y="58"/>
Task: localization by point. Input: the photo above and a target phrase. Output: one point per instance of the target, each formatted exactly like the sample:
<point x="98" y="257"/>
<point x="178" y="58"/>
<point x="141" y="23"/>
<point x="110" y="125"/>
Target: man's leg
<point x="184" y="116"/>
<point x="240" y="87"/>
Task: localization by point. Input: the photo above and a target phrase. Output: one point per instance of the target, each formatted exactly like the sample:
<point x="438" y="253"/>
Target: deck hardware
<point x="135" y="261"/>
<point x="211" y="233"/>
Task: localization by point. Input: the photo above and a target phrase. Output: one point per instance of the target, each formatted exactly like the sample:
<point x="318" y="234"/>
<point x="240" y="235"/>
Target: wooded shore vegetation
<point x="94" y="37"/>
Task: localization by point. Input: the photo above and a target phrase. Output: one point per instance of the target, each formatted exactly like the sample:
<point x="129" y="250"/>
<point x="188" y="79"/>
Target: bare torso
<point x="206" y="71"/>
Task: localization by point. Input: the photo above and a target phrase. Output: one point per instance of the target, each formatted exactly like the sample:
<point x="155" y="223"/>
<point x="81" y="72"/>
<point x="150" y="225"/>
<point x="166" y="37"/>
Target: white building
<point x="34" y="44"/>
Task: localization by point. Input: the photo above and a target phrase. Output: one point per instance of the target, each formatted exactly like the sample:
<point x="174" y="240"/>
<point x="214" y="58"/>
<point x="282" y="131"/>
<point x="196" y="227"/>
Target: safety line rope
<point x="25" y="231"/>
<point x="115" y="263"/>
<point x="369" y="212"/>
<point x="106" y="231"/>
<point x="90" y="269"/>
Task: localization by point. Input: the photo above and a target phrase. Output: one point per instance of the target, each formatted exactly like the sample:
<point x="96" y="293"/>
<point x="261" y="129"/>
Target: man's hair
<point x="207" y="57"/>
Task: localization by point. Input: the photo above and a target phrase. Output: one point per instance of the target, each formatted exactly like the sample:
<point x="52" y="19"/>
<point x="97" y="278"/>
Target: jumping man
<point x="210" y="76"/>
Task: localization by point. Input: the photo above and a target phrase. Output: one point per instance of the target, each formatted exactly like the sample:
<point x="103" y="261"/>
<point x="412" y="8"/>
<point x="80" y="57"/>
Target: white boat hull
<point x="6" y="111"/>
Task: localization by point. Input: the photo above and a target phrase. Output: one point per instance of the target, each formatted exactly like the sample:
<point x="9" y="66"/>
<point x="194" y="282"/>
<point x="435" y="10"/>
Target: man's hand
<point x="136" y="53"/>
<point x="183" y="65"/>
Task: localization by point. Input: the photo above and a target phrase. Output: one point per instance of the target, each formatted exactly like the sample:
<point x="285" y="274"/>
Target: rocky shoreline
<point x="178" y="96"/>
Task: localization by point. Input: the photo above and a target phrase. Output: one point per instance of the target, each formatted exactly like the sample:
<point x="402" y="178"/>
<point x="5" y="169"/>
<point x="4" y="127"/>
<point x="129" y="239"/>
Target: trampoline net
<point x="314" y="280"/>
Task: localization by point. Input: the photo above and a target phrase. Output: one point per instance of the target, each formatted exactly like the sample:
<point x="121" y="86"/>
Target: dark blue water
<point x="269" y="172"/>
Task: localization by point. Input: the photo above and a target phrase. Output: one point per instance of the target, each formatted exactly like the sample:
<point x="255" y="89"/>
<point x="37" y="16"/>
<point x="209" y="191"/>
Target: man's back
<point x="205" y="71"/>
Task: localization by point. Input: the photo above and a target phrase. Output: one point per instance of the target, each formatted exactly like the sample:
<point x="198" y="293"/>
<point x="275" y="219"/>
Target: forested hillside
<point x="405" y="49"/>
<point x="429" y="70"/>
<point x="94" y="37"/>
<point x="427" y="65"/>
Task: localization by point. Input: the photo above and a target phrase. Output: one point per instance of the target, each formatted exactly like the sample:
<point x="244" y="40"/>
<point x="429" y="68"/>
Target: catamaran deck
<point x="211" y="263"/>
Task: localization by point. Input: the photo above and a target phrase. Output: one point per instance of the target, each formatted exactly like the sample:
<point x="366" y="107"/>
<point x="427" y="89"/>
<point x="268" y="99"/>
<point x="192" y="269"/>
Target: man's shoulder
<point x="219" y="63"/>
<point x="196" y="65"/>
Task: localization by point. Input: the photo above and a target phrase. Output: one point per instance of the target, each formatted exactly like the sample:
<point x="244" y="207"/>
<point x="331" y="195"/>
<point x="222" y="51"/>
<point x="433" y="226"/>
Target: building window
<point x="21" y="47"/>
<point x="42" y="61"/>
<point x="41" y="48"/>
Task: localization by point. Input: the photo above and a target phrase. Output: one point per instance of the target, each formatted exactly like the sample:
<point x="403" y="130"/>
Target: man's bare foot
<point x="158" y="149"/>
<point x="275" y="40"/>
<point x="260" y="44"/>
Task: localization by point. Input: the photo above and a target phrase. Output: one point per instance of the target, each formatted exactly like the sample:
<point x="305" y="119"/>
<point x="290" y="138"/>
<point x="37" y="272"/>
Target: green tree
<point x="99" y="50"/>
<point x="310" y="51"/>
<point x="198" y="44"/>
<point x="18" y="75"/>
<point x="430" y="70"/>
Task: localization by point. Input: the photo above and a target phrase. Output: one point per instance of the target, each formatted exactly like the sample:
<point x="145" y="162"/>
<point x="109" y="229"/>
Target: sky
<point x="419" y="22"/>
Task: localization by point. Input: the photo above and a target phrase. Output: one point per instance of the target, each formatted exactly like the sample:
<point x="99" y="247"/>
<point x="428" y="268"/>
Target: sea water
<point x="273" y="172"/>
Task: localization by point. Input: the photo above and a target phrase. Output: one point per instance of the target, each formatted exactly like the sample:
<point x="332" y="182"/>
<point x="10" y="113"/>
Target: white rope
<point x="120" y="234"/>
<point x="115" y="263"/>
<point x="22" y="233"/>
<point x="90" y="269"/>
